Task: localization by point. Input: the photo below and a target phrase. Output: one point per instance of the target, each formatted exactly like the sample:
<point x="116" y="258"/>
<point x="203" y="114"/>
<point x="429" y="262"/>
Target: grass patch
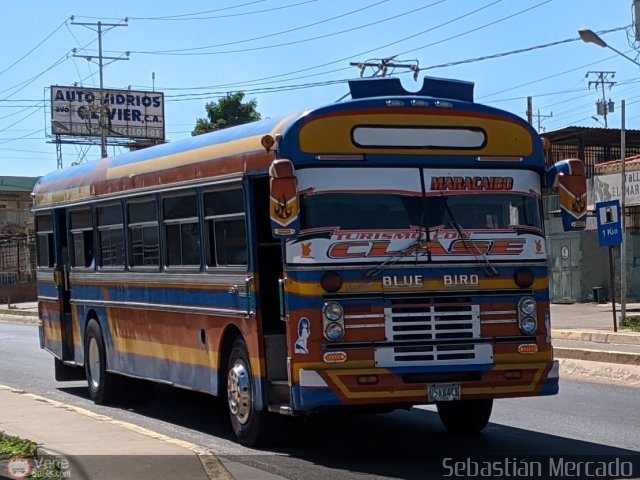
<point x="632" y="322"/>
<point x="14" y="446"/>
<point x="11" y="446"/>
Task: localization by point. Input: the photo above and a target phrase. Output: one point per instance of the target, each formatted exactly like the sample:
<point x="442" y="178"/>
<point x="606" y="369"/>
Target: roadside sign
<point x="609" y="225"/>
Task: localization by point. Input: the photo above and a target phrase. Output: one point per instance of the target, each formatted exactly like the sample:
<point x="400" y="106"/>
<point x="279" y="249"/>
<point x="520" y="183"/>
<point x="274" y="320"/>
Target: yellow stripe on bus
<point x="314" y="289"/>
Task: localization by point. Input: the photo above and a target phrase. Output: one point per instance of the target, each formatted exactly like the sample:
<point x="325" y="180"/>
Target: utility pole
<point x="602" y="79"/>
<point x="97" y="27"/>
<point x="539" y="116"/>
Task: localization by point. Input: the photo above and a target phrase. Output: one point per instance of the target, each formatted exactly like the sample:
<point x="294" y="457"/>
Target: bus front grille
<point x="447" y="326"/>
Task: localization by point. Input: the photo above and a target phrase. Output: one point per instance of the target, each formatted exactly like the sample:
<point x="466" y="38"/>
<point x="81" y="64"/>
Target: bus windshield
<point x="357" y="211"/>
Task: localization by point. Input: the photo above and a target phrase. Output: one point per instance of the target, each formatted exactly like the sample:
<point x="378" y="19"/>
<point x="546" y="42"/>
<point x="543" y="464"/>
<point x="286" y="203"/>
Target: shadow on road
<point x="404" y="444"/>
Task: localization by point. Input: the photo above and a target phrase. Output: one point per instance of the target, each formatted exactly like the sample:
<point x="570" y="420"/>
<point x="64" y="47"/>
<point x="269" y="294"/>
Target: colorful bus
<point x="378" y="253"/>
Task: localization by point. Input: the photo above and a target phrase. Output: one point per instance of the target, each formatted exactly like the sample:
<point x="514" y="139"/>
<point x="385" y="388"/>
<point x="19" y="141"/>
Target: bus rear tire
<point x="465" y="416"/>
<point x="246" y="421"/>
<point x="104" y="387"/>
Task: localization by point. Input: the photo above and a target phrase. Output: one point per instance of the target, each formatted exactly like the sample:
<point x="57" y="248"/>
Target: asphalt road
<point x="586" y="419"/>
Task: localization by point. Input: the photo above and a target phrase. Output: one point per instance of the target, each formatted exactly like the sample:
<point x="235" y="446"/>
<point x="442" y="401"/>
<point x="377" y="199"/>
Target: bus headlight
<point x="334" y="332"/>
<point x="528" y="325"/>
<point x="333" y="321"/>
<point x="527" y="322"/>
<point x="527" y="306"/>
<point x="332" y="311"/>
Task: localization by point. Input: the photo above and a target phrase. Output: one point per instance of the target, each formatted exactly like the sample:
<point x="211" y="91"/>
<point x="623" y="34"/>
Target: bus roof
<point x="224" y="152"/>
<point x="381" y="109"/>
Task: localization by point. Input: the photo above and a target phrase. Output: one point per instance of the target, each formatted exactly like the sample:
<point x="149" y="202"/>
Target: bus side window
<point x="82" y="238"/>
<point x="44" y="240"/>
<point x="224" y="215"/>
<point x="144" y="249"/>
<point x="111" y="235"/>
<point x="181" y="229"/>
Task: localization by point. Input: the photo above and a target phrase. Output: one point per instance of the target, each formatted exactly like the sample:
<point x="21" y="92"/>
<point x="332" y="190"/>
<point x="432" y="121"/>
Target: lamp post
<point x="589" y="36"/>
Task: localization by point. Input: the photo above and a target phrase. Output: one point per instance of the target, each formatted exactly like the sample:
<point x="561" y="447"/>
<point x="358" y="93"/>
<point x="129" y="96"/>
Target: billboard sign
<point x="79" y="112"/>
<point x="609" y="187"/>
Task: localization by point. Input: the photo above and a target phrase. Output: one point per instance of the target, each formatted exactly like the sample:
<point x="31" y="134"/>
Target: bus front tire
<point x="465" y="416"/>
<point x="245" y="419"/>
<point x="104" y="387"/>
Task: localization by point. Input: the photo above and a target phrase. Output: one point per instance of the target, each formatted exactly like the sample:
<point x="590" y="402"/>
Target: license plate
<point x="443" y="392"/>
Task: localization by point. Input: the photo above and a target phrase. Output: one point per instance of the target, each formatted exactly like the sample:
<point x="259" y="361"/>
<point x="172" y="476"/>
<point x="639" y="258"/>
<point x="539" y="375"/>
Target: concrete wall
<point x="21" y="292"/>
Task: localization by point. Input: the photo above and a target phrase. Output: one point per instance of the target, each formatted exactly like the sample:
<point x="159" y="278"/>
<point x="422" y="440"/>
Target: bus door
<point x="269" y="267"/>
<point x="61" y="275"/>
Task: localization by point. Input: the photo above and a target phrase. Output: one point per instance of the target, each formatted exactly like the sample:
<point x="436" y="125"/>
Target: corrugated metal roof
<point x="17" y="184"/>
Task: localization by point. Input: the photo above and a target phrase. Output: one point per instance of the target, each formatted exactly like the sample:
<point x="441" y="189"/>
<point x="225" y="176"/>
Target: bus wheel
<point x="245" y="419"/>
<point x="465" y="416"/>
<point x="103" y="386"/>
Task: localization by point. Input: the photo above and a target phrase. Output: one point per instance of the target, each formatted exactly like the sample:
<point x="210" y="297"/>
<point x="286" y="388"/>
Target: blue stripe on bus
<point x="164" y="296"/>
<point x="312" y="397"/>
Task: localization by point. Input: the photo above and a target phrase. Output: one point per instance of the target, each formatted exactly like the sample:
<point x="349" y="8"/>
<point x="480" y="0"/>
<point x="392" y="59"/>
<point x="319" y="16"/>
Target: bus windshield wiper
<point x="403" y="253"/>
<point x="490" y="269"/>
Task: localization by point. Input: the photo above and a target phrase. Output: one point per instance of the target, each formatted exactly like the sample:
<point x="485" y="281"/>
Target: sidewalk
<point x="93" y="446"/>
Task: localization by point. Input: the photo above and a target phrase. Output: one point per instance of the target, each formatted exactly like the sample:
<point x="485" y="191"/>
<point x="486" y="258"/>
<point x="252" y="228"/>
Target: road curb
<point x="599" y="372"/>
<point x="18" y="313"/>
<point x="595" y="336"/>
<point x="19" y="319"/>
<point x="211" y="464"/>
<point x="603" y="356"/>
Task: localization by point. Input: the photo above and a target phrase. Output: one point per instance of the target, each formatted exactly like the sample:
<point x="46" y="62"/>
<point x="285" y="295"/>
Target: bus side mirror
<point x="284" y="204"/>
<point x="568" y="175"/>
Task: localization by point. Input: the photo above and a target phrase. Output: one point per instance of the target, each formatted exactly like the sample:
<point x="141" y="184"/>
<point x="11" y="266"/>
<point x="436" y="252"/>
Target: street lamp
<point x="589" y="36"/>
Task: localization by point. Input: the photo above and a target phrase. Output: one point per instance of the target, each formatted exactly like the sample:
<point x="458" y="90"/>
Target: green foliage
<point x="14" y="446"/>
<point x="632" y="322"/>
<point x="11" y="446"/>
<point x="227" y="112"/>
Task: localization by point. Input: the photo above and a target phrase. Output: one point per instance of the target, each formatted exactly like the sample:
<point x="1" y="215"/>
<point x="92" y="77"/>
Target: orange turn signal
<point x="528" y="348"/>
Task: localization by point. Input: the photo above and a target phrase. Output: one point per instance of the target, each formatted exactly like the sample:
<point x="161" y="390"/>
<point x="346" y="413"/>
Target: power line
<point x="182" y="15"/>
<point x="34" y="48"/>
<point x="29" y="81"/>
<point x="546" y="78"/>
<point x="269" y="10"/>
<point x="24" y="137"/>
<point x="302" y="27"/>
<point x="508" y="17"/>
<point x="189" y="52"/>
<point x="359" y="54"/>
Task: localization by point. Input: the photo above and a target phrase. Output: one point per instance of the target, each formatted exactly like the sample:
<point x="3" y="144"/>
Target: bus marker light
<point x="331" y="282"/>
<point x="513" y="374"/>
<point x="267" y="142"/>
<point x="367" y="379"/>
<point x="526" y="348"/>
<point x="335" y="357"/>
<point x="523" y="277"/>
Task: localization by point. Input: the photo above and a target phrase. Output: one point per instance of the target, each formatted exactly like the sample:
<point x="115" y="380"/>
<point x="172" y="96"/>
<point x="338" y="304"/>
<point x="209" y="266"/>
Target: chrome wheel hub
<point x="94" y="363"/>
<point x="239" y="391"/>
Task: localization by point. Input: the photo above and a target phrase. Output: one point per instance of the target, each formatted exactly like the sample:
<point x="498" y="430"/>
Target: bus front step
<point x="281" y="409"/>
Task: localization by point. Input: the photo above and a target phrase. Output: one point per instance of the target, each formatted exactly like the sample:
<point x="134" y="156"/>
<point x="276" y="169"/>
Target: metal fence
<point x="17" y="259"/>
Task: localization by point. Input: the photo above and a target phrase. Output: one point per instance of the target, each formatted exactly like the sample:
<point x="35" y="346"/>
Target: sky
<point x="293" y="55"/>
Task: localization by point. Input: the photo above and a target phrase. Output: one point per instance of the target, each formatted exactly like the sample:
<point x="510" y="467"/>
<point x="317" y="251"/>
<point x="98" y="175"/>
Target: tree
<point x="229" y="111"/>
